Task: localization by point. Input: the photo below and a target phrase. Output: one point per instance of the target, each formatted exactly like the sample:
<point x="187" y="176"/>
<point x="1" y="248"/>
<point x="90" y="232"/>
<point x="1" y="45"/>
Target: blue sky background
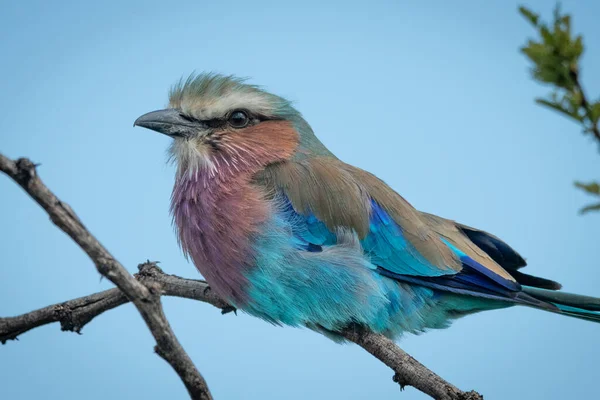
<point x="432" y="96"/>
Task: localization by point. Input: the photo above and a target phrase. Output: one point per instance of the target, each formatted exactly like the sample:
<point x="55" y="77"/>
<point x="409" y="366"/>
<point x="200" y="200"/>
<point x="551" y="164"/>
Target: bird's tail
<point x="573" y="305"/>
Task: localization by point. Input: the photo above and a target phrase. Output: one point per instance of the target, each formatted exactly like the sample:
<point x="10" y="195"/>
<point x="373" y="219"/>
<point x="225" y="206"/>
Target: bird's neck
<point x="217" y="210"/>
<point x="216" y="216"/>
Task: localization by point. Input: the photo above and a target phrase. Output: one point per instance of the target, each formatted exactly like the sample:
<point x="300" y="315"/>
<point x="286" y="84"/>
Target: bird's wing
<point x="322" y="195"/>
<point x="463" y="236"/>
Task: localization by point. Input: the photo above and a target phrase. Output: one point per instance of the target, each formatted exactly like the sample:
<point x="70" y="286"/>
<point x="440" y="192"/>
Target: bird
<point x="285" y="231"/>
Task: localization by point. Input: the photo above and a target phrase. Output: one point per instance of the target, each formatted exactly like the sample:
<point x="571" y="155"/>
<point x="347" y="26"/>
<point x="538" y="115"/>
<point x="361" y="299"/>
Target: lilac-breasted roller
<point x="286" y="231"/>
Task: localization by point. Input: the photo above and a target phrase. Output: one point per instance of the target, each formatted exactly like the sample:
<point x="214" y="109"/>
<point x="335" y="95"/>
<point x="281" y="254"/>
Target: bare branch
<point x="145" y="289"/>
<point x="146" y="298"/>
<point x="74" y="314"/>
<point x="408" y="371"/>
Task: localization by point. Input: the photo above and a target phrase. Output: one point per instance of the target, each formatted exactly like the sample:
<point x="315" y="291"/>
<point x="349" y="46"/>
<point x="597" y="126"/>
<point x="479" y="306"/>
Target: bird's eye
<point x="238" y="119"/>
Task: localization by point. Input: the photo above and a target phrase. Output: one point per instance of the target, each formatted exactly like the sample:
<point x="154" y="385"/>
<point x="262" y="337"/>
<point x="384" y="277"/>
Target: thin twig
<point x="146" y="298"/>
<point x="574" y="73"/>
<point x="409" y="372"/>
<point x="74" y="314"/>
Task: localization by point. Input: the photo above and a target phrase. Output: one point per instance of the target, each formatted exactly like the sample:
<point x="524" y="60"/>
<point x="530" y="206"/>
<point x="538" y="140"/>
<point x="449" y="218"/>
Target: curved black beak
<point x="170" y="122"/>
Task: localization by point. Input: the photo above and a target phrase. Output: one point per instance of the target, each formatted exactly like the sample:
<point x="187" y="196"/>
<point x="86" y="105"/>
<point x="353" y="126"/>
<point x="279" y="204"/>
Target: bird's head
<point x="220" y="121"/>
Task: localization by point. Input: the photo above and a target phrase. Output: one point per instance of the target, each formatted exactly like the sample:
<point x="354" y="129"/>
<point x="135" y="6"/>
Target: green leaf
<point x="529" y="15"/>
<point x="561" y="109"/>
<point x="545" y="75"/>
<point x="535" y="51"/>
<point x="591" y="207"/>
<point x="547" y="35"/>
<point x="591" y="188"/>
<point x="578" y="46"/>
<point x="562" y="42"/>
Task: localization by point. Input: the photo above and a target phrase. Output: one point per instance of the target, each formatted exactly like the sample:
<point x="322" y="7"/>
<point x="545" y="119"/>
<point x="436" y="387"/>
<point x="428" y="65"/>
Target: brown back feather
<point x="319" y="186"/>
<point x="339" y="195"/>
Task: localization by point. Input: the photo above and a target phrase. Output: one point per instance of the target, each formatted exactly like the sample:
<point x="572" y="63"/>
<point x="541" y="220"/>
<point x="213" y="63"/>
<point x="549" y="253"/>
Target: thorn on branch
<point x="64" y="315"/>
<point x="149" y="268"/>
<point x="399" y="380"/>
<point x="7" y="338"/>
<point x="26" y="170"/>
<point x="228" y="309"/>
<point x="471" y="395"/>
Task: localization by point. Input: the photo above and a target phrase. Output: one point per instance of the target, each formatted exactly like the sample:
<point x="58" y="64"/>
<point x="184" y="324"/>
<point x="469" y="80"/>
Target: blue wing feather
<point x="396" y="258"/>
<point x="389" y="249"/>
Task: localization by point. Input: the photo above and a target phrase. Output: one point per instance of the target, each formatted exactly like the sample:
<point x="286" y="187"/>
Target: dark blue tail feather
<point x="573" y="305"/>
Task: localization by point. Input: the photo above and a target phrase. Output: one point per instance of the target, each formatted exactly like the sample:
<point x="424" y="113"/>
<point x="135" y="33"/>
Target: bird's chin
<point x="190" y="154"/>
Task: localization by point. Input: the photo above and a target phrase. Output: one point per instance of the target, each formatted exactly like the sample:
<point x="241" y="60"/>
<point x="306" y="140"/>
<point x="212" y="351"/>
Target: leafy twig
<point x="555" y="56"/>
